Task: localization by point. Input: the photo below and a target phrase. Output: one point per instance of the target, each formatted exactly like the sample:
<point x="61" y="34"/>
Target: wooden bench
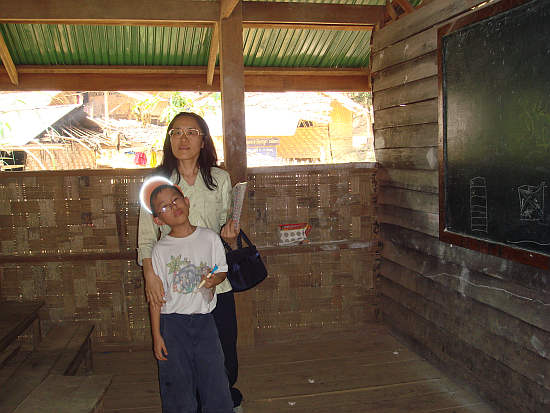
<point x="15" y="318"/>
<point x="8" y="353"/>
<point x="61" y="352"/>
<point x="67" y="394"/>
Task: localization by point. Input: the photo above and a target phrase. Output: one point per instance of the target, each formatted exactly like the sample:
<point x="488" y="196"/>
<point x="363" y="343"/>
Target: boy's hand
<point x="159" y="348"/>
<point x="209" y="282"/>
<point x="214" y="279"/>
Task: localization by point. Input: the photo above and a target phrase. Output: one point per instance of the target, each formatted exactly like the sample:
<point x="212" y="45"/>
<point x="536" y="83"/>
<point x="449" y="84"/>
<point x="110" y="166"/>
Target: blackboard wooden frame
<point x="485" y="246"/>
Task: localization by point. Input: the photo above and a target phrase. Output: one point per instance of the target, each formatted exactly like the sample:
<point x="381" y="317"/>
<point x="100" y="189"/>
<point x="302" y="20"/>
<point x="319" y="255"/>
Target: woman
<point x="190" y="162"/>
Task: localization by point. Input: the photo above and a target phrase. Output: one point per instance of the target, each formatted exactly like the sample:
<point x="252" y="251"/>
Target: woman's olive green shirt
<point x="209" y="209"/>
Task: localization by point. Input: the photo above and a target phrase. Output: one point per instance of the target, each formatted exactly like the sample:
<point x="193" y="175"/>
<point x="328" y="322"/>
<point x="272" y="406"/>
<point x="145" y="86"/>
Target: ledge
<point x="314" y="167"/>
<point x="90" y="256"/>
<point x="132" y="255"/>
<point x="325" y="246"/>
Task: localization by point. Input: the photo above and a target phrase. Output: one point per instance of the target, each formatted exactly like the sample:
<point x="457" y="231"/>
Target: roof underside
<point x="55" y="44"/>
<point x="34" y="47"/>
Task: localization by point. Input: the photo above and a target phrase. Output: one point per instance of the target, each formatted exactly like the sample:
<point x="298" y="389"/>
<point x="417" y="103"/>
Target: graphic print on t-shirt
<point x="184" y="276"/>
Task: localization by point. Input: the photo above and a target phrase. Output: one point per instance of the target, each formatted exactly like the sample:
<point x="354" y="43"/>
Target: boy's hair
<point x="155" y="193"/>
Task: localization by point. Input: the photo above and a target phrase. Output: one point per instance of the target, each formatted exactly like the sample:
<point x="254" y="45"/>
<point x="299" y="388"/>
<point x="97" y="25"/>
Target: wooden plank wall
<point x="487" y="320"/>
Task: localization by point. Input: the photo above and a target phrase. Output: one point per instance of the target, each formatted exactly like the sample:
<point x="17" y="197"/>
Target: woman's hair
<point x="207" y="156"/>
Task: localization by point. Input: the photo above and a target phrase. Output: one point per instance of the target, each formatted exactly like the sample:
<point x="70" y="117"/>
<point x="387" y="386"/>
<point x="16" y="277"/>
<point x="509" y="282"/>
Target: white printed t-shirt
<point x="180" y="264"/>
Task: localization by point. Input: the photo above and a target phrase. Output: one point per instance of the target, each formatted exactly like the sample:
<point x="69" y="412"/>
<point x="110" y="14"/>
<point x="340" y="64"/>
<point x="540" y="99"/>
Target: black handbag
<point x="245" y="266"/>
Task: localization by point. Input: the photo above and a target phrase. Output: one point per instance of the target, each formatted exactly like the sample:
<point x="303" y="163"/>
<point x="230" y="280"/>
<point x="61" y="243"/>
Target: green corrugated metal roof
<point x="306" y="48"/>
<point x="57" y="44"/>
<point x="54" y="44"/>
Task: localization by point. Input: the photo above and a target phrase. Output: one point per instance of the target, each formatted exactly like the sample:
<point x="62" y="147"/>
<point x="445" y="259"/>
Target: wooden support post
<point x="234" y="134"/>
<point x="232" y="88"/>
<point x="8" y="62"/>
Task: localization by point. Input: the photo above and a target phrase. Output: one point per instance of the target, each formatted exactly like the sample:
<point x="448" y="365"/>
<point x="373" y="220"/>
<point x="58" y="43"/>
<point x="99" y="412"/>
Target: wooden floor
<point x="364" y="372"/>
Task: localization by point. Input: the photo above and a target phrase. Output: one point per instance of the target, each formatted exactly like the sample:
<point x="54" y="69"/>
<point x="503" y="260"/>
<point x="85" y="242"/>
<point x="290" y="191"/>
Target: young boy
<point x="185" y="339"/>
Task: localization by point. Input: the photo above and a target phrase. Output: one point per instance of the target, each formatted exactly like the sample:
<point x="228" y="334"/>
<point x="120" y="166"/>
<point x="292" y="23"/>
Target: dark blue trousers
<point x="195" y="364"/>
<point x="226" y="322"/>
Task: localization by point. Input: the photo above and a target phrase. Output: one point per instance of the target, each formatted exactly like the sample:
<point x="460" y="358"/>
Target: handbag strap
<point x="226" y="245"/>
<point x="241" y="233"/>
<point x="240" y="238"/>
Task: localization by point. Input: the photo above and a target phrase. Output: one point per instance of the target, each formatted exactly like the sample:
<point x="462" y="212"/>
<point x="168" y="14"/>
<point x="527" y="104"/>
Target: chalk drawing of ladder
<point x="478" y="204"/>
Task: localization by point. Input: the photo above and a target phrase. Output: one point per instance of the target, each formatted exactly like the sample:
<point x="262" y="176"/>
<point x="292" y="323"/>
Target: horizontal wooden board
<point x="404" y="198"/>
<point x="522" y="361"/>
<point x="531" y="278"/>
<point x="406" y="136"/>
<point x="407" y="49"/>
<point x="36" y="367"/>
<point x="332" y="376"/>
<point x="67" y="394"/>
<point x="417" y="180"/>
<point x="527" y="305"/>
<point x="415" y="113"/>
<point x="410" y="71"/>
<point x="401" y="398"/>
<point x="416" y="220"/>
<point x="498" y="323"/>
<point x="254" y="82"/>
<point x="371" y="339"/>
<point x="423" y="18"/>
<point x="417" y="91"/>
<point x="408" y="158"/>
<point x="495" y="381"/>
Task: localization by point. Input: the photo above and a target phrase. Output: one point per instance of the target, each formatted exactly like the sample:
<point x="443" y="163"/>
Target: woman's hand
<point x="229" y="232"/>
<point x="154" y="290"/>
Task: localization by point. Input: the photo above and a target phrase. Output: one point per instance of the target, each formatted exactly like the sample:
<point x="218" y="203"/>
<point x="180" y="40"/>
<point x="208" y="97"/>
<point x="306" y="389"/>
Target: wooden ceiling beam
<point x="182" y="70"/>
<point x="213" y="55"/>
<point x="405" y="5"/>
<point x="391" y="10"/>
<point x="345" y="28"/>
<point x="227" y="7"/>
<point x="186" y="12"/>
<point x="311" y="13"/>
<point x="193" y="79"/>
<point x="5" y="56"/>
<point x="111" y="12"/>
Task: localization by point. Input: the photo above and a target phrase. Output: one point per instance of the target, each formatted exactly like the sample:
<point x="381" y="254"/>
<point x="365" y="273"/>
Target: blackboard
<point x="494" y="73"/>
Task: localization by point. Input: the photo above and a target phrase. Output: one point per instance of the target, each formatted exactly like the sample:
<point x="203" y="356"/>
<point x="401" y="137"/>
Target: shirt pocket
<point x="208" y="206"/>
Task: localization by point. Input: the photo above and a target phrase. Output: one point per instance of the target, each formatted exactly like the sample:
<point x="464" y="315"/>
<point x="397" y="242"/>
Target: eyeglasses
<point x="189" y="132"/>
<point x="168" y="207"/>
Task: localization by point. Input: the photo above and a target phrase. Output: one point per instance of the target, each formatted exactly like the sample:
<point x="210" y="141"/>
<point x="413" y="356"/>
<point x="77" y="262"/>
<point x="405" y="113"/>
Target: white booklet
<point x="239" y="191"/>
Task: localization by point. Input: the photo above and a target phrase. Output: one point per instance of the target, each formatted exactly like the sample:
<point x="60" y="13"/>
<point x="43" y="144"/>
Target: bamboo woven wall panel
<point x="108" y="293"/>
<point x="327" y="289"/>
<point x="47" y="218"/>
<point x="337" y="203"/>
<point x="68" y="213"/>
